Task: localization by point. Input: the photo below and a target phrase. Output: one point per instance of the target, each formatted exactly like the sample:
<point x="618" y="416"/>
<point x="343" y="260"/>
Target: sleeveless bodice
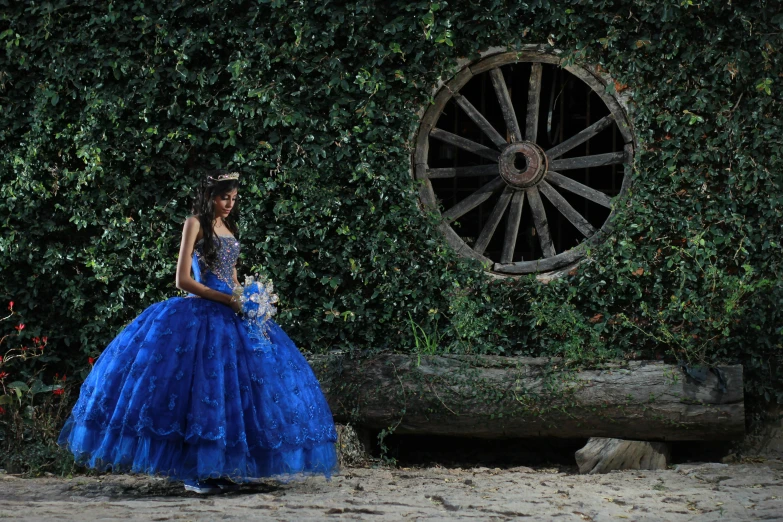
<point x="223" y="267"/>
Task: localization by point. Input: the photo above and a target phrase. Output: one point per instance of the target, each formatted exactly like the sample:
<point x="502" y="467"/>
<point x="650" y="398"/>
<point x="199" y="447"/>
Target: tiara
<point x="224" y="177"/>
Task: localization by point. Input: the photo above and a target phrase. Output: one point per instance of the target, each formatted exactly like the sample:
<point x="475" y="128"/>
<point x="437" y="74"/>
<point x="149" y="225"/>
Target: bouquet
<point x="258" y="300"/>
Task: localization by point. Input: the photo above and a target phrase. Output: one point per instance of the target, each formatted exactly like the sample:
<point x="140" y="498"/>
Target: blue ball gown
<point x="187" y="391"/>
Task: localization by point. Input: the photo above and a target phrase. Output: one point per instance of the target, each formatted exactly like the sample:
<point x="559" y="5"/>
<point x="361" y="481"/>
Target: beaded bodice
<point x="223" y="267"/>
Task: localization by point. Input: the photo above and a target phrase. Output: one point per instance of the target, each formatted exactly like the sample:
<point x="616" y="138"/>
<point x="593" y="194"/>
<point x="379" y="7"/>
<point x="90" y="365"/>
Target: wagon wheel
<point x="500" y="175"/>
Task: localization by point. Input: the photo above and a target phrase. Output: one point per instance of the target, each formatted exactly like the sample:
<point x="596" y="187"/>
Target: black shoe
<point x="227" y="485"/>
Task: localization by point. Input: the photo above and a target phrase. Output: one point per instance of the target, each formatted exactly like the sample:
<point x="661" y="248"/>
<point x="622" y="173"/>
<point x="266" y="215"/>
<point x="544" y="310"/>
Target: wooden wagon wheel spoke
<point x="566" y="209"/>
<point x="481" y="121"/>
<point x="555" y="178"/>
<point x="533" y="100"/>
<point x="539" y="219"/>
<point x="506" y="107"/>
<point x="474" y="200"/>
<point x="465" y="144"/>
<point x="462" y="172"/>
<point x="494" y="220"/>
<point x="581" y="137"/>
<point x="526" y="168"/>
<point x="583" y="162"/>
<point x="512" y="226"/>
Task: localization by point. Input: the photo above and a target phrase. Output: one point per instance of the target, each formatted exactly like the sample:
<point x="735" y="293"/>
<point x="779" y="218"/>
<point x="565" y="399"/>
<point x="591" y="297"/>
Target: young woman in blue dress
<point x="191" y="391"/>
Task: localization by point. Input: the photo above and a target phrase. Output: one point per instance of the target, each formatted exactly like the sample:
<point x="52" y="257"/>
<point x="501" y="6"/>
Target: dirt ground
<point x="712" y="491"/>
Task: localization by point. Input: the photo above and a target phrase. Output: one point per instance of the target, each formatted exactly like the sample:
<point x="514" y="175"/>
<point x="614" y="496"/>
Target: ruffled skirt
<point x="184" y="392"/>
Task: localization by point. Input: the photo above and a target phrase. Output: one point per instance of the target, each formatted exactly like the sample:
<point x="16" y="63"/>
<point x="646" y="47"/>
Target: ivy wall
<point x="108" y="109"/>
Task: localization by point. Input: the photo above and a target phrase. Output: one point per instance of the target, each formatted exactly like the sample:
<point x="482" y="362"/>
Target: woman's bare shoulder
<point x="191" y="231"/>
<point x="193" y="225"/>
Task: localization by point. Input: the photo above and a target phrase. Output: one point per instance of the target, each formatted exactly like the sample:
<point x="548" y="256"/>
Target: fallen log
<point x="501" y="397"/>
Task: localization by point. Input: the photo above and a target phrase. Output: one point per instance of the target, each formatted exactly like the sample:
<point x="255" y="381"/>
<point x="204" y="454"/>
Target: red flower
<point x="90" y="360"/>
<point x="3" y="375"/>
<point x="63" y="377"/>
<point x="36" y="340"/>
<point x="11" y="305"/>
<point x="44" y="340"/>
<point x="2" y="410"/>
<point x="58" y="391"/>
<point x="19" y="327"/>
<point x="24" y="348"/>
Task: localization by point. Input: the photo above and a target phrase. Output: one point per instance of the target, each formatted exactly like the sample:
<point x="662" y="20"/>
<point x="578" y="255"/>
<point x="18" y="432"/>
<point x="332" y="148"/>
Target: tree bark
<point x="501" y="397"/>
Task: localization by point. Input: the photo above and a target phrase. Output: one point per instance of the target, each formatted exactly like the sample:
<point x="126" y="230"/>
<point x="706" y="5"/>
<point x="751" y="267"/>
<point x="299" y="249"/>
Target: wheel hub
<point x="522" y="164"/>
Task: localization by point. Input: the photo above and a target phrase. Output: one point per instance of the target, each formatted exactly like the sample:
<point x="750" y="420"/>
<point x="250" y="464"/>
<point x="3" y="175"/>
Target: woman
<point x="188" y="391"/>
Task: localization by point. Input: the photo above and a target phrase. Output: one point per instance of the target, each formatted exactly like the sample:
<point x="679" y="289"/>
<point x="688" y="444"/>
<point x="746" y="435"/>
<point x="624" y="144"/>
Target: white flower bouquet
<point x="258" y="300"/>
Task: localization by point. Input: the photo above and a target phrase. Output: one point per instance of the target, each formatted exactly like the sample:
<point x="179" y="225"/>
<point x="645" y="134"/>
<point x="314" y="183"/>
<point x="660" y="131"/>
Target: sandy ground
<point x="744" y="491"/>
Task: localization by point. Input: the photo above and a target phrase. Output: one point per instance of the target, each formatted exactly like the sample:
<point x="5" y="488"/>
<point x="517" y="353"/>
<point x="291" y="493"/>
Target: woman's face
<point x="224" y="203"/>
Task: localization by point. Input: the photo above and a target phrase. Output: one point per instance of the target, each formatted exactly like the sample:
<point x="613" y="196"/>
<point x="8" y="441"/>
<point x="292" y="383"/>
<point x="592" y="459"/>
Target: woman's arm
<point x="190" y="233"/>
<point x="236" y="281"/>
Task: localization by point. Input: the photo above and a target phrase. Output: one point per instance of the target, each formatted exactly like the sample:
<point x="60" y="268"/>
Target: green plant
<point x="424" y="343"/>
<point x="691" y="330"/>
<point x="31" y="411"/>
<point x="383" y="448"/>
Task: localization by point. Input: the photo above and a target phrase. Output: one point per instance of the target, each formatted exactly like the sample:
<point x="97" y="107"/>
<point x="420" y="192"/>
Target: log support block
<point x="353" y="445"/>
<point x="602" y="455"/>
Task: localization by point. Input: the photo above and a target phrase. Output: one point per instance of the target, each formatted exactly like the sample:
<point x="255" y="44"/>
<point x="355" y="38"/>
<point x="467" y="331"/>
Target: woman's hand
<point x="235" y="304"/>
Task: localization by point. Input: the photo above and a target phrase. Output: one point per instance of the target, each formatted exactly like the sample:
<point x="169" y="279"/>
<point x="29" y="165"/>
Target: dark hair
<point x="204" y="210"/>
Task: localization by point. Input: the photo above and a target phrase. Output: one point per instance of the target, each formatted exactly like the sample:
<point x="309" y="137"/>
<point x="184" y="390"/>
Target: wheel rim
<point x="513" y="172"/>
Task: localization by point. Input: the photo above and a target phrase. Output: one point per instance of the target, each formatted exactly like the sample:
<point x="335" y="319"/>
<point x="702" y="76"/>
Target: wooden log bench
<point x="504" y="397"/>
